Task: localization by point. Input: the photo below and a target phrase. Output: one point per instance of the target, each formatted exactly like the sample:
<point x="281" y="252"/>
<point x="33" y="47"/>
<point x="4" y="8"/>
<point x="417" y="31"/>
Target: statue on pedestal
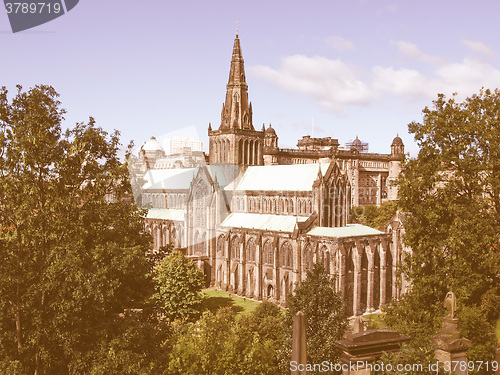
<point x="450" y="345"/>
<point x="450" y="303"/>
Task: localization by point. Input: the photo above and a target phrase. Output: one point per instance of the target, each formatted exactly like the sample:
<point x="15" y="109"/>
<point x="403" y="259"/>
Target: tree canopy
<point x="451" y="193"/>
<point x="373" y="216"/>
<point x="178" y="287"/>
<point x="223" y="343"/>
<point x="326" y="317"/>
<point x="71" y="247"/>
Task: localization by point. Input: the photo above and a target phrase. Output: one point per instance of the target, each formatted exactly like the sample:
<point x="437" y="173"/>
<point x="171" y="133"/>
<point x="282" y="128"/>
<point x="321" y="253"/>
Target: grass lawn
<point x="218" y="298"/>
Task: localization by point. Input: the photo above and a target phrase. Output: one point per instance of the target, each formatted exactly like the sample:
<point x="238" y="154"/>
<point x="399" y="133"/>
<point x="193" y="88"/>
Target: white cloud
<point x="335" y="85"/>
<point x="401" y="82"/>
<point x="479" y="47"/>
<point x="468" y="77"/>
<point x="340" y="44"/>
<point x="465" y="78"/>
<point x="411" y="50"/>
<point x="332" y="83"/>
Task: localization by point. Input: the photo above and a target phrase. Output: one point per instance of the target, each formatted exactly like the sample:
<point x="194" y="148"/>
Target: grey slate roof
<point x="296" y="177"/>
<point x="278" y="223"/>
<point x="350" y="230"/>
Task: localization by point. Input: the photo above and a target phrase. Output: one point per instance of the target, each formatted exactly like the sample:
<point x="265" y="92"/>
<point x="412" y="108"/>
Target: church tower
<point x="236" y="141"/>
<point x="395" y="161"/>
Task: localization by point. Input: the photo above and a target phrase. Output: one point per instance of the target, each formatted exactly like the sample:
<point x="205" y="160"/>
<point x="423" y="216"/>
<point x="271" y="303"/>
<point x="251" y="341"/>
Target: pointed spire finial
<point x="320" y="174"/>
<point x="237" y="22"/>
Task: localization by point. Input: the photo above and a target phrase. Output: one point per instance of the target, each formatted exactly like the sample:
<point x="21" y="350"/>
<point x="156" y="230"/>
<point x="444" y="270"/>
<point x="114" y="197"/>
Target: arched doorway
<point x="270" y="291"/>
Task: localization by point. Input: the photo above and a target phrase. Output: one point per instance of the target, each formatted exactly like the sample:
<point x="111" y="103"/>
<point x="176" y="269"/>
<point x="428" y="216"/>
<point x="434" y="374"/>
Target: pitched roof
<point x="350" y="230"/>
<point x="165" y="214"/>
<point x="296" y="177"/>
<point x="278" y="223"/>
<point x="169" y="179"/>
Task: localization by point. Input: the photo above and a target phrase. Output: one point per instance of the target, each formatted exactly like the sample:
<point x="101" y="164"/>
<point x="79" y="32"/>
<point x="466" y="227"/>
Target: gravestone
<point x="360" y="350"/>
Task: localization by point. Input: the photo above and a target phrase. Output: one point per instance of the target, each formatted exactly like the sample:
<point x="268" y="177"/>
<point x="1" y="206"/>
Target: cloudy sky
<point x="329" y="68"/>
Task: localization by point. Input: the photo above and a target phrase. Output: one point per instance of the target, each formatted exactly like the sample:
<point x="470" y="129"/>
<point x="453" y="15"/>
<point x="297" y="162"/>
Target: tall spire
<point x="237" y="112"/>
<point x="237" y="71"/>
<point x="236" y="141"/>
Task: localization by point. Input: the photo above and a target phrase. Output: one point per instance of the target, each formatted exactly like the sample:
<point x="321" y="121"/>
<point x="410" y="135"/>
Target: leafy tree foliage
<point x="178" y="287"/>
<point x="136" y="345"/>
<point x="222" y="343"/>
<point x="326" y="318"/>
<point x="71" y="258"/>
<point x="373" y="216"/>
<point x="452" y="194"/>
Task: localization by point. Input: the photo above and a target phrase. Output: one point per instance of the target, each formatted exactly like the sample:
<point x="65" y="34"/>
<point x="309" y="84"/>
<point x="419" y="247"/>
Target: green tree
<point x="71" y="258"/>
<point x="452" y="194"/>
<point x="326" y="318"/>
<point x="258" y="338"/>
<point x="222" y="343"/>
<point x="135" y="345"/>
<point x="204" y="347"/>
<point x="373" y="216"/>
<point x="178" y="287"/>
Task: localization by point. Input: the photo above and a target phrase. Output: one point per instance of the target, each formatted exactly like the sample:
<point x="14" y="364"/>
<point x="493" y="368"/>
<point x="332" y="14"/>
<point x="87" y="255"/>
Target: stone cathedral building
<point x="256" y="217"/>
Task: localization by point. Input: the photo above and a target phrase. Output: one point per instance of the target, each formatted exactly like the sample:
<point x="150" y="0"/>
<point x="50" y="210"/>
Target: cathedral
<point x="255" y="217"/>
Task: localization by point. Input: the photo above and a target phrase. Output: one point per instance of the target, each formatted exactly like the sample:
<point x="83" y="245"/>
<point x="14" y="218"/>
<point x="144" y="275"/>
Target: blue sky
<point x="353" y="68"/>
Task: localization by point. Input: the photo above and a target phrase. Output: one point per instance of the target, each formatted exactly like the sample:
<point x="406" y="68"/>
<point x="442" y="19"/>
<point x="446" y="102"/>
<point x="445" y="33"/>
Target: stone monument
<point x="299" y="355"/>
<point x="451" y="346"/>
<point x="361" y="348"/>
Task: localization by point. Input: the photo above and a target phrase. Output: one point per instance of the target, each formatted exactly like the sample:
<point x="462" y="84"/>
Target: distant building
<point x="372" y="176"/>
<point x="150" y="152"/>
<point x="255" y="217"/>
<point x="190" y="154"/>
<point x="358" y="145"/>
<point x="182" y="145"/>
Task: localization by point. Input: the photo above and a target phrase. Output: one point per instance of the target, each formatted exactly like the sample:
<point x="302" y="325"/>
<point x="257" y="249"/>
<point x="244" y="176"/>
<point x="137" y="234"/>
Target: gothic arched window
<point x="286" y="255"/>
<point x="308" y="258"/>
<point x="251" y="249"/>
<point x="268" y="253"/>
<point x="220" y="245"/>
<point x="325" y="256"/>
<point x="200" y="193"/>
<point x="235" y="247"/>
